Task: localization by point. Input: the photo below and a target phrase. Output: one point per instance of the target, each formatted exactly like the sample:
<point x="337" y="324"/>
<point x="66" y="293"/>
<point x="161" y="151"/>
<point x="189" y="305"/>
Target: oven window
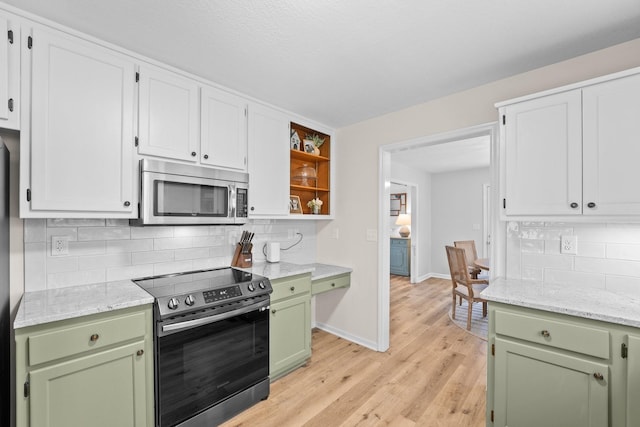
<point x="199" y="367"/>
<point x="181" y="199"/>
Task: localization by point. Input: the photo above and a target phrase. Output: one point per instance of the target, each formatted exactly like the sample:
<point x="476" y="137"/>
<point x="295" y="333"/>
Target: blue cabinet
<point x="400" y="256"/>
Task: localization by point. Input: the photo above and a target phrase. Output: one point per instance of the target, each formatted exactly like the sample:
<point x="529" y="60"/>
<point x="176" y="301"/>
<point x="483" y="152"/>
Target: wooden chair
<point x="463" y="285"/>
<point x="471" y="255"/>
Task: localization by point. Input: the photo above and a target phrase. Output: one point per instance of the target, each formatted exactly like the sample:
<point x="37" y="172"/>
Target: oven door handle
<point x="189" y="324"/>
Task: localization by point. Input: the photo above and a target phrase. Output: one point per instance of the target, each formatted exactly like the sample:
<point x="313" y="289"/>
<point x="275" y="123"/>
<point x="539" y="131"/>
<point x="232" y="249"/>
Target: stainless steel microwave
<point x="180" y="194"/>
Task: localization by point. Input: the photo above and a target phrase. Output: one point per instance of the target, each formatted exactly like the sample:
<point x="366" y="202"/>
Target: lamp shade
<point x="404" y="220"/>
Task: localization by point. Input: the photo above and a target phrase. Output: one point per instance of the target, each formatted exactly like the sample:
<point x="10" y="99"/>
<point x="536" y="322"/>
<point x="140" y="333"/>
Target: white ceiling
<point x="463" y="154"/>
<point x="343" y="61"/>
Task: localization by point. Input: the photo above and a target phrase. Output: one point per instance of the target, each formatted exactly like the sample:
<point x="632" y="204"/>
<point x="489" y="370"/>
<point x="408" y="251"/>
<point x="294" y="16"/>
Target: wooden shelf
<point x="320" y="163"/>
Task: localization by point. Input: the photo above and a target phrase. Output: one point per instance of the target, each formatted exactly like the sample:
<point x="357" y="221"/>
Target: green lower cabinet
<point x="91" y="371"/>
<point x="538" y="387"/>
<point x="555" y="370"/>
<point x="290" y="324"/>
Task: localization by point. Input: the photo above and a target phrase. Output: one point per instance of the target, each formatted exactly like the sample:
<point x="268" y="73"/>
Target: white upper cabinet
<point x="611" y="147"/>
<point x="168" y="114"/>
<point x="9" y="73"/>
<point x="76" y="158"/>
<point x="223" y="129"/>
<point x="574" y="152"/>
<point x="543" y="156"/>
<point x="268" y="162"/>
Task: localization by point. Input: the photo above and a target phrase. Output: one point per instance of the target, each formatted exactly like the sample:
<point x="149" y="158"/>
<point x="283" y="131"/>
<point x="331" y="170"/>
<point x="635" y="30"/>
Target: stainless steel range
<point x="211" y="344"/>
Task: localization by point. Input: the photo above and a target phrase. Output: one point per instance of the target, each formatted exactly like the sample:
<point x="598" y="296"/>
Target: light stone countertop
<point x="279" y="270"/>
<point x="597" y="304"/>
<point x="75" y="301"/>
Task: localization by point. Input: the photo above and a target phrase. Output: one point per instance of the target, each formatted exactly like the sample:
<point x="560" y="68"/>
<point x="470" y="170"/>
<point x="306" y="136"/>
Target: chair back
<point x="458" y="266"/>
<point x="469" y="247"/>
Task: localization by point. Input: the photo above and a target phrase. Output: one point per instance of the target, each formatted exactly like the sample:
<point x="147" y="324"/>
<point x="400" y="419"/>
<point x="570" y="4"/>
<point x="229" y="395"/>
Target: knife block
<point x="242" y="259"/>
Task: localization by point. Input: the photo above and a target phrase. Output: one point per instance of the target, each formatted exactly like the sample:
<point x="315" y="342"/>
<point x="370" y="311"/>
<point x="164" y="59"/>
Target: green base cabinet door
<point x="290" y="325"/>
<point x="539" y="387"/>
<point x="102" y="390"/>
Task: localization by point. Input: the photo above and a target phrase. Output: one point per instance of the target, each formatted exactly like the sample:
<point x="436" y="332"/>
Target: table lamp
<point x="404" y="220"/>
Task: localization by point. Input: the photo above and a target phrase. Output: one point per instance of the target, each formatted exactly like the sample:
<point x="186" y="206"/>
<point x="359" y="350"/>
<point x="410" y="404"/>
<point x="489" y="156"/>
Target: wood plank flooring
<point x="434" y="373"/>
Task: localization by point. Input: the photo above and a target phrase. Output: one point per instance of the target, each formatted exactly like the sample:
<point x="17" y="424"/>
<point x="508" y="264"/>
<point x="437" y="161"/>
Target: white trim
<point x="486" y="221"/>
<point x="415" y="228"/>
<point x="498" y="228"/>
<point x="347" y="336"/>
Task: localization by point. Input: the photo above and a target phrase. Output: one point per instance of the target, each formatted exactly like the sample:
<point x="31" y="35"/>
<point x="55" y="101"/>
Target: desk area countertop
<point x="279" y="270"/>
<point x="597" y="304"/>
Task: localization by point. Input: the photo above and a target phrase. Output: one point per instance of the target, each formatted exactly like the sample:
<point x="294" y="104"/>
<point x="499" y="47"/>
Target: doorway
<point x="385" y="153"/>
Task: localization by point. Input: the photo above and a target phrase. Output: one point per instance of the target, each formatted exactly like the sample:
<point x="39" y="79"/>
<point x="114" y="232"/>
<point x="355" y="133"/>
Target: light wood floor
<point x="434" y="373"/>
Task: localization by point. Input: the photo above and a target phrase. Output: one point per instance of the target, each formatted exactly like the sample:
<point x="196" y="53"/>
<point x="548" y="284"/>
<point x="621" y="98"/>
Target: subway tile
<point x="563" y="262"/>
<point x="608" y="266"/>
<point x="203" y="241"/>
<point x="93" y="247"/>
<point x="129" y="272"/>
<point x="532" y="273"/>
<point x="191" y="231"/>
<point x="151" y="257"/>
<point x="75" y="222"/>
<point x="591" y="249"/>
<point x="129" y="245"/>
<point x="221" y="251"/>
<point x="191" y="253"/>
<point x="35" y="230"/>
<point x="72" y="233"/>
<point x="74" y="278"/>
<point x="62" y="264"/>
<point x="151" y="232"/>
<point x="574" y="278"/>
<point x="172" y="243"/>
<point x="172" y="267"/>
<point x="552" y="247"/>
<point x="623" y="251"/>
<point x="532" y="246"/>
<point x="613" y="233"/>
<point x="117" y="222"/>
<point x="205" y="263"/>
<point x="35" y="267"/>
<point x="103" y="233"/>
<point x="104" y="261"/>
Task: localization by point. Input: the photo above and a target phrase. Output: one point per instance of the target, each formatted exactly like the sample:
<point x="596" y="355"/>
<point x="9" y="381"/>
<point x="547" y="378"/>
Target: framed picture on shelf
<point x="398" y="204"/>
<point x="295" y="207"/>
<point x="309" y="147"/>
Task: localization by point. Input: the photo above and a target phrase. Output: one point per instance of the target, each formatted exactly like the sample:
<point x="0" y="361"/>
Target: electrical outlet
<point x="569" y="245"/>
<point x="59" y="245"/>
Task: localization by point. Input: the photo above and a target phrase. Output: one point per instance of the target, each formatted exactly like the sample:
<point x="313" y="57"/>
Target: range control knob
<point x="261" y="285"/>
<point x="189" y="300"/>
<point x="173" y="303"/>
<point x="251" y="287"/>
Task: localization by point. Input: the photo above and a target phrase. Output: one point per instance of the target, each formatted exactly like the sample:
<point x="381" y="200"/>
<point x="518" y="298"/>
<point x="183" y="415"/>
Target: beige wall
<point x="355" y="310"/>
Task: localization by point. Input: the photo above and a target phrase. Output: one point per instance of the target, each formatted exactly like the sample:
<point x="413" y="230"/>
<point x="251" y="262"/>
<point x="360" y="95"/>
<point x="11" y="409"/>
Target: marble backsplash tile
<point x="103" y="250"/>
<point x="608" y="255"/>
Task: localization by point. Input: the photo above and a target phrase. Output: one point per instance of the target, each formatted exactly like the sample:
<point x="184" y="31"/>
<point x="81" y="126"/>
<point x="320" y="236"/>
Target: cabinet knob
<point x="293" y="288"/>
<point x="574" y="205"/>
<point x="253" y="208"/>
<point x="545" y="333"/>
<point x="333" y="285"/>
<point x="206" y="156"/>
<point x="273" y="311"/>
<point x="127" y="203"/>
<point x="140" y="352"/>
<point x="94" y="337"/>
<point x="598" y="376"/>
<point x="591" y="205"/>
<point x="193" y="154"/>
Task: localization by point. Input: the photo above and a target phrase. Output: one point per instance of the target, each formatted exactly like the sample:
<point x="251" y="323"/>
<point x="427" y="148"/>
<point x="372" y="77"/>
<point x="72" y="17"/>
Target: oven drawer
<point x="290" y="286"/>
<point x="587" y="340"/>
<point x="84" y="336"/>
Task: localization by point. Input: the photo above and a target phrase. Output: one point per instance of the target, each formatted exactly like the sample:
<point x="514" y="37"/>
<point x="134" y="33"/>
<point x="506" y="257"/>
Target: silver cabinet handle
<point x="598" y="376"/>
<point x="545" y="333"/>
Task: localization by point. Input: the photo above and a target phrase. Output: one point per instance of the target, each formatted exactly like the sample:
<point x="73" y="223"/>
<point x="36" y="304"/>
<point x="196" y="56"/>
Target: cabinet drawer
<point x="63" y="342"/>
<point x="399" y="242"/>
<point x="330" y="283"/>
<point x="580" y="339"/>
<point x="288" y="287"/>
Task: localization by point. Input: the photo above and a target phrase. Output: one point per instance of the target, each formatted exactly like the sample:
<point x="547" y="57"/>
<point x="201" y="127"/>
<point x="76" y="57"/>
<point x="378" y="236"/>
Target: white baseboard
<point x="347" y="336"/>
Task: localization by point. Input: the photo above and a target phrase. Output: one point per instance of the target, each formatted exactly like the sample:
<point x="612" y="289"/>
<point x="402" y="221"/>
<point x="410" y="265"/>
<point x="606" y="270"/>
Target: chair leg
<point x="453" y="308"/>
<point x="484" y="309"/>
<point x="469" y="315"/>
<point x="459" y="300"/>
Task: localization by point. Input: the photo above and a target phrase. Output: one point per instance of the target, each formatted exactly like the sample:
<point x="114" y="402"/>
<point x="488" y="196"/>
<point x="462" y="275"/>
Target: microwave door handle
<point x="232" y="201"/>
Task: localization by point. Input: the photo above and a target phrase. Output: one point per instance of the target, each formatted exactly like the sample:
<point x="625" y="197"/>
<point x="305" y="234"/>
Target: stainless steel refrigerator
<point x="4" y="288"/>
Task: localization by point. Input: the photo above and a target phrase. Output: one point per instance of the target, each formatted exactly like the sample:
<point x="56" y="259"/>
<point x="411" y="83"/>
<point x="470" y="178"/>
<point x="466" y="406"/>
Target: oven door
<point x="202" y="362"/>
